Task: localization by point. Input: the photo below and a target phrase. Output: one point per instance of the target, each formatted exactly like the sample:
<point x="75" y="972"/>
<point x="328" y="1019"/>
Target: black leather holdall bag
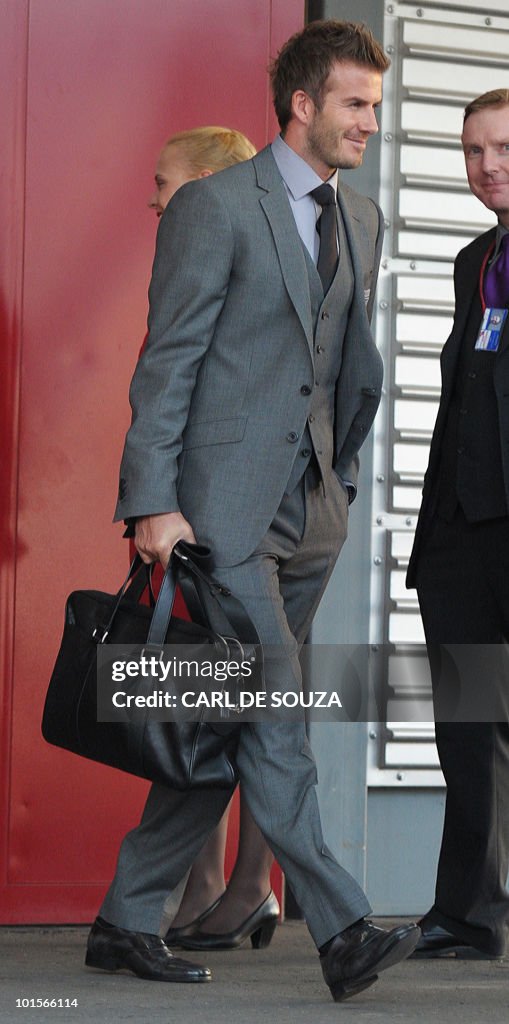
<point x="178" y="754"/>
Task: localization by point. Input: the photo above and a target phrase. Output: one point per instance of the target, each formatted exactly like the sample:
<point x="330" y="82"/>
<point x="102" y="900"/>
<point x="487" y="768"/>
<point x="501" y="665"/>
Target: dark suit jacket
<point x="466" y="283"/>
<point x="221" y="385"/>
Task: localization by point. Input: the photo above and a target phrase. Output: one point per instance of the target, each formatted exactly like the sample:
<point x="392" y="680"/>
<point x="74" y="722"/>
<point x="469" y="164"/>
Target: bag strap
<point x="188" y="565"/>
<point x="101" y="633"/>
<point x="139" y="583"/>
<point x="230" y="606"/>
<point x="138" y="578"/>
<point x="189" y="562"/>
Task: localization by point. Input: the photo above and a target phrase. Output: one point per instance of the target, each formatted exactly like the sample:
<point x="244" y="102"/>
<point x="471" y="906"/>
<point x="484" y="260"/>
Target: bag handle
<point x="189" y="562"/>
<point x="230" y="607"/>
<point x="134" y="569"/>
<point x="140" y="581"/>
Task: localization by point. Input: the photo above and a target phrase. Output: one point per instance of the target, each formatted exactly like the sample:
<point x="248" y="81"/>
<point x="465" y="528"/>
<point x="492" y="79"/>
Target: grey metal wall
<point x="387" y="838"/>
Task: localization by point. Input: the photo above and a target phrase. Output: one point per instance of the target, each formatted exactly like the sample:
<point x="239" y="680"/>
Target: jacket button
<point x="325" y="316"/>
<point x="319" y="349"/>
<point x="460" y="450"/>
<point x="292" y="437"/>
<point x="305" y="389"/>
<point x="311" y="418"/>
<point x="306" y="452"/>
<point x="472" y="375"/>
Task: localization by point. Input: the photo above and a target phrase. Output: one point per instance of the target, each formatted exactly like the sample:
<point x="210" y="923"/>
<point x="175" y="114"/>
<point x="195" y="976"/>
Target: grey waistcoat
<point x="330" y="319"/>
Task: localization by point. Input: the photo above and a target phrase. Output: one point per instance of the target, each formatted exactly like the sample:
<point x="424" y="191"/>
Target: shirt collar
<point x="298" y="176"/>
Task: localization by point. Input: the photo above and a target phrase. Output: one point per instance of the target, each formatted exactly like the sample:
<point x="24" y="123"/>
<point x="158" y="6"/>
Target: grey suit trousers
<point x="280" y="584"/>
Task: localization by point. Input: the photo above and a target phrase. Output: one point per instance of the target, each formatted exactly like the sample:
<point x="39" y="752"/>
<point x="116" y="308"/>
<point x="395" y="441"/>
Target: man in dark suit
<point x="258" y="385"/>
<point x="460" y="566"/>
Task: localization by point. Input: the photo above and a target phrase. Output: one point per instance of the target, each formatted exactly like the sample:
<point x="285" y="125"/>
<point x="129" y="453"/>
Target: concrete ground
<point x="278" y="985"/>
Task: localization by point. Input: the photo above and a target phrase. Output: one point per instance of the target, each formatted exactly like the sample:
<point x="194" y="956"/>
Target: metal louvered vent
<point x="443" y="55"/>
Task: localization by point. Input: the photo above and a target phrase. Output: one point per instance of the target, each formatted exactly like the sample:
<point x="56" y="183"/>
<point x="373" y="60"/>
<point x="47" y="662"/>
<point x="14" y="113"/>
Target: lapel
<point x="467" y="285"/>
<point x="292" y="260"/>
<point x="466" y="280"/>
<point x="276" y="208"/>
<point x="355" y="231"/>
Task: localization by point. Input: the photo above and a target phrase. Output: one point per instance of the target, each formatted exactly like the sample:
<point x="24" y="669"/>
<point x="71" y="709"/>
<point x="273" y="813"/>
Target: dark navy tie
<point x="326" y="226"/>
<point x="496" y="281"/>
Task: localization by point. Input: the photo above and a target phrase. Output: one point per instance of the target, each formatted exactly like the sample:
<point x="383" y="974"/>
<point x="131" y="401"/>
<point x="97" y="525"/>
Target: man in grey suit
<point x="258" y="385"/>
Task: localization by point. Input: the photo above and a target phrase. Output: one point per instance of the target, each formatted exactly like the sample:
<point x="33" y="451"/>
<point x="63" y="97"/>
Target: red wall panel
<point x="92" y="89"/>
<point x="13" y="75"/>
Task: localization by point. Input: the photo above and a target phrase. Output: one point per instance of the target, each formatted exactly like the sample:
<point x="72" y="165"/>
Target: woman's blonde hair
<point x="212" y="148"/>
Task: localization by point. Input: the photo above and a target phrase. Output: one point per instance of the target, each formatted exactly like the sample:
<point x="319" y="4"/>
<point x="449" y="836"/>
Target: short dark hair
<point x="494" y="98"/>
<point x="306" y="59"/>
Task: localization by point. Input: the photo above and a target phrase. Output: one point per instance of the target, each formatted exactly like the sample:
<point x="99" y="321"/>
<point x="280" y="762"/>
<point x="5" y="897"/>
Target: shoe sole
<point x="341" y="992"/>
<point x="455" y="953"/>
<point x="400" y="949"/>
<point x="111" y="964"/>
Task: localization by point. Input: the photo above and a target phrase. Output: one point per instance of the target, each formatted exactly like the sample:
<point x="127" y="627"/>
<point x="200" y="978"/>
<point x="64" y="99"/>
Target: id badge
<point x="490" y="330"/>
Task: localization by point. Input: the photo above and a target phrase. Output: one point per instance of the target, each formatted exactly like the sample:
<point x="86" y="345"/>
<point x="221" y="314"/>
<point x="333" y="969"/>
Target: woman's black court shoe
<point x="259" y="927"/>
<point x="174" y="935"/>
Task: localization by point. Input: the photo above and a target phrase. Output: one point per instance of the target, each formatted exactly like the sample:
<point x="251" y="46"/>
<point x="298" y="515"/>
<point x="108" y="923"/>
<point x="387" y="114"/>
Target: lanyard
<point x="487" y="257"/>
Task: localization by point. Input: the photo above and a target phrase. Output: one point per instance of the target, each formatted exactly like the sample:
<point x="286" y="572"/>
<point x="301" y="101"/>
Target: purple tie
<point x="496" y="280"/>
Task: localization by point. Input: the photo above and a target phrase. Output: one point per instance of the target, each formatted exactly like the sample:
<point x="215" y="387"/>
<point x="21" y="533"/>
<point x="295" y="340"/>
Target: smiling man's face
<point x="485" y="142"/>
<point x="338" y="133"/>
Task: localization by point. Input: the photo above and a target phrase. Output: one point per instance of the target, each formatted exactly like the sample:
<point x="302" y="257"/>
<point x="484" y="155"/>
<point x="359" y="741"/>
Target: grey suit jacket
<point x="217" y="395"/>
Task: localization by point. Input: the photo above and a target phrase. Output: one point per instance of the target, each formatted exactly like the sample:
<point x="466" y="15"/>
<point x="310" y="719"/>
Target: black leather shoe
<point x="436" y="942"/>
<point x="259" y="927"/>
<point x="174" y="935"/>
<point x="116" y="949"/>
<point x="355" y="956"/>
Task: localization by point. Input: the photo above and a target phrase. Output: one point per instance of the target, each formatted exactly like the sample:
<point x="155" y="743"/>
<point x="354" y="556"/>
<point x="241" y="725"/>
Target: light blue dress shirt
<point x="300" y="179"/>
